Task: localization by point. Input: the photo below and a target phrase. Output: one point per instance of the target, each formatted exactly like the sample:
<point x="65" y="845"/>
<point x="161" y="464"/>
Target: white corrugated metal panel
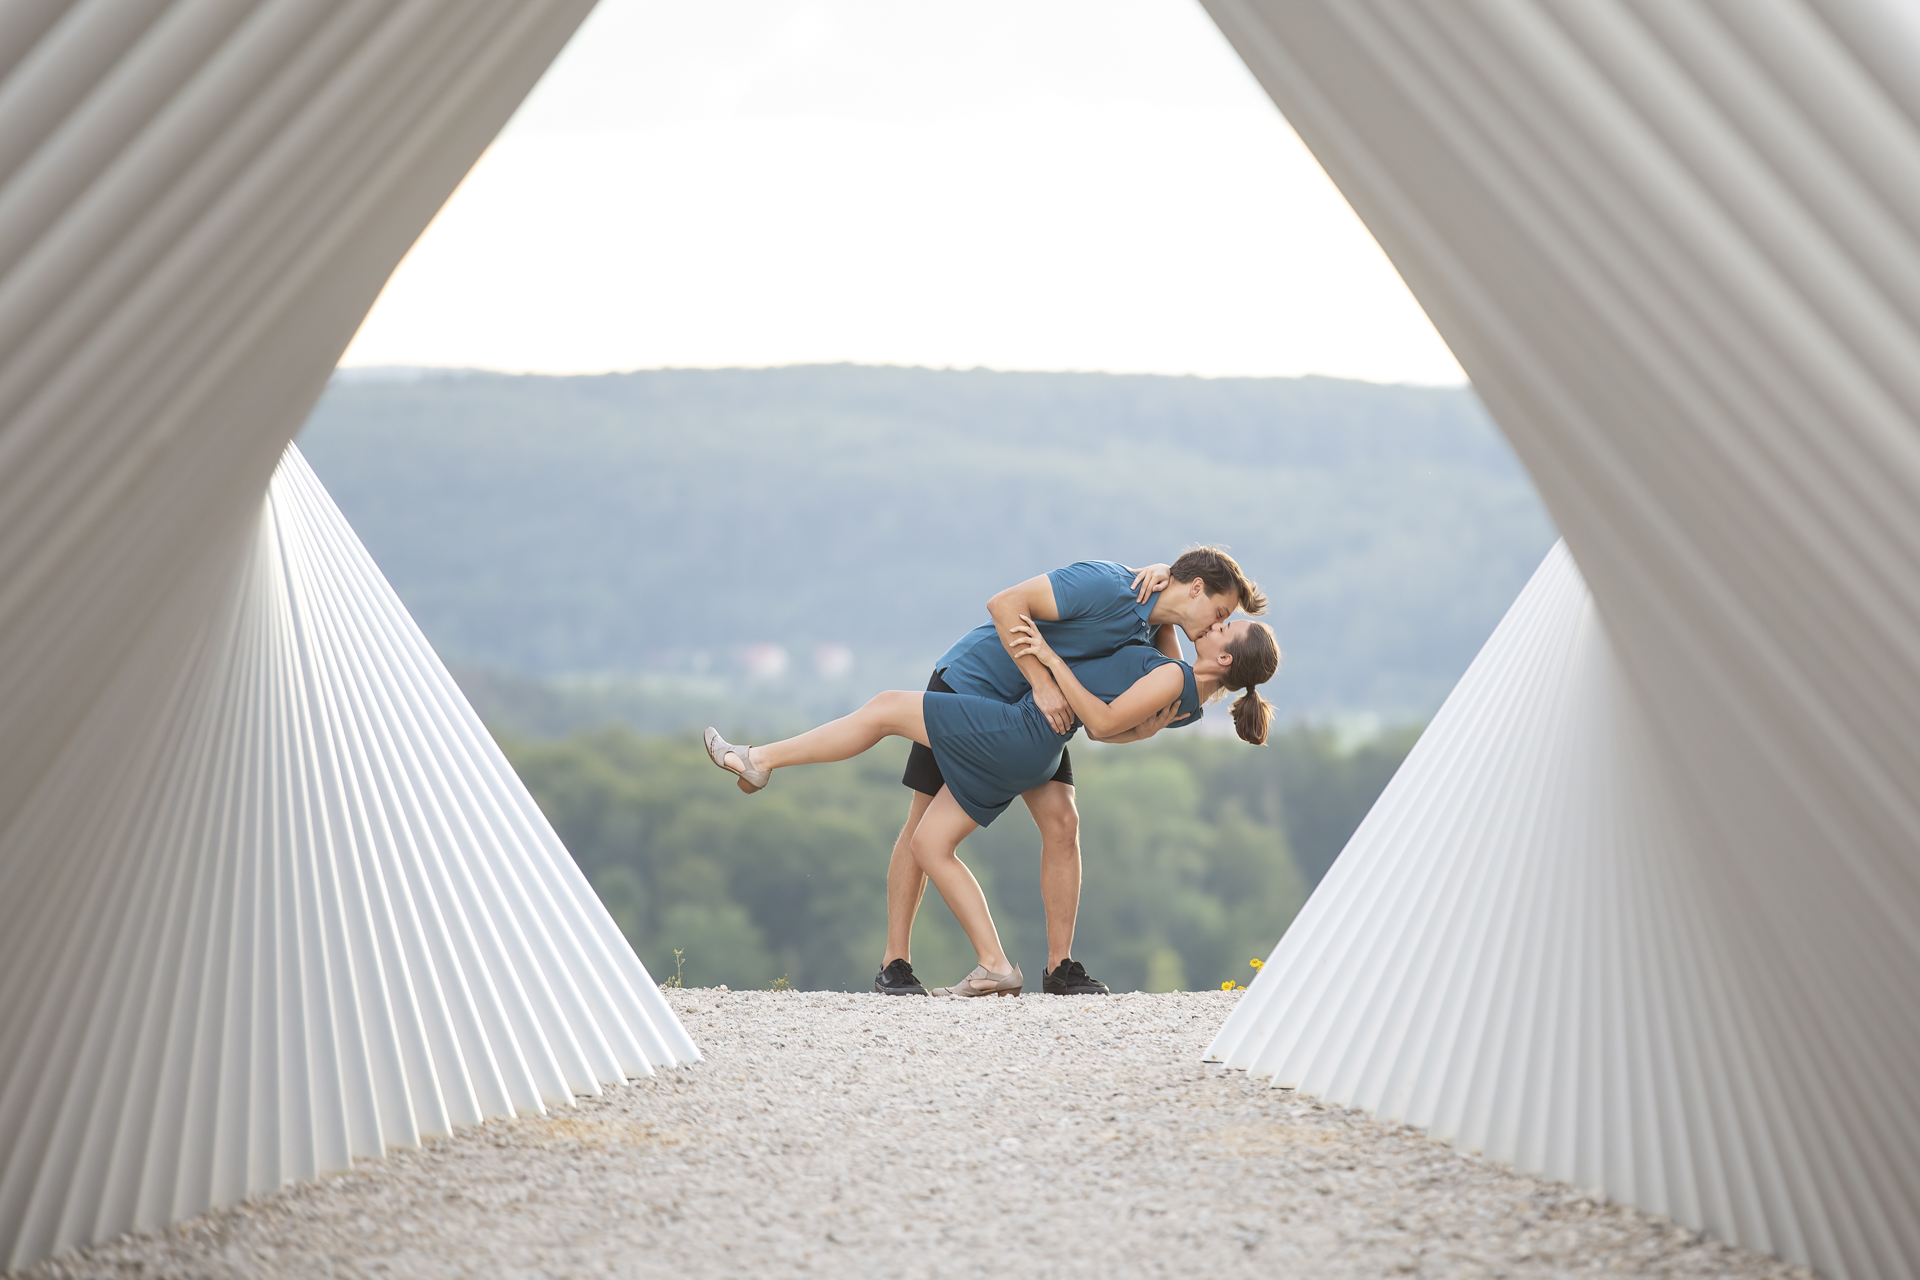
<point x="1666" y="938"/>
<point x="307" y="914"/>
<point x="270" y="899"/>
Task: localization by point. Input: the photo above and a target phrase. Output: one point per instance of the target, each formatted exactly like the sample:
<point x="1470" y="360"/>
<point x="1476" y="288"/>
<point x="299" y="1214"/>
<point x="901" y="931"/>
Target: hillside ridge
<point x="673" y="520"/>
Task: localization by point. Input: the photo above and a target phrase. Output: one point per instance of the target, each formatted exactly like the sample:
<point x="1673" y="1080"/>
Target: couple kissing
<point x="1092" y="645"/>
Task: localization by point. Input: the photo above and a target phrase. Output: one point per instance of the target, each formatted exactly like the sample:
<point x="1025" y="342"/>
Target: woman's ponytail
<point x="1252" y="714"/>
<point x="1256" y="656"/>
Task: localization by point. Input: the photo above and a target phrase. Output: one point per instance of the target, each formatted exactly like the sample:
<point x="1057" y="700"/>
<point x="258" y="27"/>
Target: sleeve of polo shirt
<point x="1091" y="589"/>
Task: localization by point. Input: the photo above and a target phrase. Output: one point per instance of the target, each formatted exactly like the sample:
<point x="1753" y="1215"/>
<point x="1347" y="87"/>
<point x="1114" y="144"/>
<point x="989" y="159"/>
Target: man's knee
<point x="1061" y="833"/>
<point x="1056" y="815"/>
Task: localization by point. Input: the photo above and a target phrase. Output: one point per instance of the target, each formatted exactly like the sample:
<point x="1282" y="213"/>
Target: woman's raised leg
<point x="936" y="843"/>
<point x="894" y="714"/>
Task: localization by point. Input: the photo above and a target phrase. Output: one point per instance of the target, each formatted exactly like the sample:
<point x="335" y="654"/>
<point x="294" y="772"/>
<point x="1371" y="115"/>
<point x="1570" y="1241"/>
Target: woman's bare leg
<point x="936" y="843"/>
<point x="894" y="714"/>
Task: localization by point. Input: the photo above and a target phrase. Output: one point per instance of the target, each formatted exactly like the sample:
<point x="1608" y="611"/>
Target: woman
<point x="991" y="751"/>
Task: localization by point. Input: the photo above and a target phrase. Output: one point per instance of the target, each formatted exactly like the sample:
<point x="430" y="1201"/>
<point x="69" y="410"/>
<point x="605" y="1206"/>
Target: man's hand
<point x="1053" y="705"/>
<point x="1149" y="580"/>
<point x="1157" y="721"/>
<point x="1150" y="726"/>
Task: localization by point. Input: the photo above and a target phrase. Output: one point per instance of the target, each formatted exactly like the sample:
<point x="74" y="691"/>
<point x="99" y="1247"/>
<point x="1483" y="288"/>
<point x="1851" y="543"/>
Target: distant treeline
<point x="668" y="521"/>
<point x="647" y="549"/>
<point x="1198" y="852"/>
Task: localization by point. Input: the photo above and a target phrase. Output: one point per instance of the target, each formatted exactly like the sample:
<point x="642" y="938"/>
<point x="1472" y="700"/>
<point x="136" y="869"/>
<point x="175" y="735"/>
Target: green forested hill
<point x="591" y="551"/>
<point x="1192" y="864"/>
<point x="666" y="521"/>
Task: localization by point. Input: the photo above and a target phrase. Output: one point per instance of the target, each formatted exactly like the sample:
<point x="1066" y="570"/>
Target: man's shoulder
<point x="1089" y="584"/>
<point x="1094" y="570"/>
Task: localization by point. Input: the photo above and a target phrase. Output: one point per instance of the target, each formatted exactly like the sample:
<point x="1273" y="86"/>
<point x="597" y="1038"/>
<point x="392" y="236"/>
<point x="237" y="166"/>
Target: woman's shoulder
<point x="1152" y="661"/>
<point x="1112" y="674"/>
<point x="1160" y="659"/>
<point x="1152" y="657"/>
<point x="1138" y="653"/>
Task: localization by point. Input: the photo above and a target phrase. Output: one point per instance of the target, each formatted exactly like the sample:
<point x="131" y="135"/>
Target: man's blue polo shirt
<point x="1098" y="614"/>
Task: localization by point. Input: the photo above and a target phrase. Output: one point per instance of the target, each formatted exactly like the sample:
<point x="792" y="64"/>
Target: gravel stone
<point x="865" y="1135"/>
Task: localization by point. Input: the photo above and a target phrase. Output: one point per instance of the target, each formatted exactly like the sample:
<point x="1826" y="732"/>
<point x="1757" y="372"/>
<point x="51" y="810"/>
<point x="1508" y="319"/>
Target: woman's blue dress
<point x="991" y="751"/>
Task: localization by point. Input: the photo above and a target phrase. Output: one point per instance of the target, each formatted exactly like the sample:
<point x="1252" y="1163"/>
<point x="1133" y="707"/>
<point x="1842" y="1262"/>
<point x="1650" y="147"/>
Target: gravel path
<point x="863" y="1135"/>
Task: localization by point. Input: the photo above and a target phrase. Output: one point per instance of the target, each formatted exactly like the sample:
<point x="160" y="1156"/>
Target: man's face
<point x="1206" y="611"/>
<point x="1209" y="646"/>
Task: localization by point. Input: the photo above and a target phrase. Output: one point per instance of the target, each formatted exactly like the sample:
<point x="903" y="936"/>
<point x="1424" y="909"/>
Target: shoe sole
<point x="889" y="991"/>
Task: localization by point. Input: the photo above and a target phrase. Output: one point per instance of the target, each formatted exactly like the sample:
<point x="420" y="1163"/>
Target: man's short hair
<point x="1220" y="573"/>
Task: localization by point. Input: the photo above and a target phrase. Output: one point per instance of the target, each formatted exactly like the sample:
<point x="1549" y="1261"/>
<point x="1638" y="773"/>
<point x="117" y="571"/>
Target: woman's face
<point x="1213" y="642"/>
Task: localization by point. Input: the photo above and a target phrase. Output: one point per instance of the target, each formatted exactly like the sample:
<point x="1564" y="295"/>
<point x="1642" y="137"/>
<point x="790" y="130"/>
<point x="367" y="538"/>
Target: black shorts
<point x="923" y="771"/>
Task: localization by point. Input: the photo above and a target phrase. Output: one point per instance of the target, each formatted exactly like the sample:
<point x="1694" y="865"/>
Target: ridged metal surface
<point x="269" y="897"/>
<point x="1643" y="909"/>
<point x="310" y="914"/>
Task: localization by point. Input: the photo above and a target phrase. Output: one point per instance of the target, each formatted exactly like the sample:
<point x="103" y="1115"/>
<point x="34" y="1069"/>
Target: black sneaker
<point x="897" y="980"/>
<point x="1072" y="979"/>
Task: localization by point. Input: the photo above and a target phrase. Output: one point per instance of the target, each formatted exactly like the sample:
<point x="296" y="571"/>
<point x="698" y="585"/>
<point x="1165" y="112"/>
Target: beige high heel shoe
<point x="984" y="982"/>
<point x="750" y="778"/>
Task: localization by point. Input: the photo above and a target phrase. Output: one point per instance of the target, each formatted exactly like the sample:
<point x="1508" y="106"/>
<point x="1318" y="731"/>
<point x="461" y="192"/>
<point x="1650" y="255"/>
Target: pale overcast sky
<point x="1019" y="184"/>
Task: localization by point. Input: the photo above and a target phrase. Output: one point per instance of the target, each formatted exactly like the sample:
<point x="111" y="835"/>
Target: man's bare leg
<point x="1053" y="810"/>
<point x="906" y="884"/>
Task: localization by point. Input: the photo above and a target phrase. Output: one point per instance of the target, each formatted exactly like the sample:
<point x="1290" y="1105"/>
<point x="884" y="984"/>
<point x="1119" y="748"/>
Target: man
<point x="1085" y="610"/>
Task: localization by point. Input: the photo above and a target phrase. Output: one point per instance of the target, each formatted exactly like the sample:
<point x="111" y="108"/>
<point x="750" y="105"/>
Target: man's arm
<point x="1034" y="598"/>
<point x="1147" y="728"/>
